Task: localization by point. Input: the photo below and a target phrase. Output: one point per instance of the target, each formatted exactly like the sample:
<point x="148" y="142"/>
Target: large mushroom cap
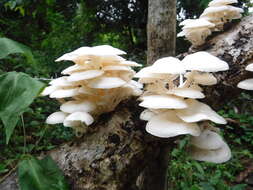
<point x="207" y="140"/>
<point x="221" y="2"/>
<point x="220" y="155"/>
<point x="170" y="65"/>
<point x="162" y="102"/>
<point x="205" y="62"/>
<point x="246" y="84"/>
<point x="167" y="124"/>
<point x="198" y="111"/>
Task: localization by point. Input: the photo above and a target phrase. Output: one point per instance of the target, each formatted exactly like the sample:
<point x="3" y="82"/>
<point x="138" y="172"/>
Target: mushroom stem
<point x="181" y="80"/>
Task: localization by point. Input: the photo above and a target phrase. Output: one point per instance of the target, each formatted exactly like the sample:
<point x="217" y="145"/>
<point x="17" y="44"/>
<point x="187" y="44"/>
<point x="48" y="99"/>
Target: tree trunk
<point x="161" y="29"/>
<point x="161" y="33"/>
<point x="116" y="151"/>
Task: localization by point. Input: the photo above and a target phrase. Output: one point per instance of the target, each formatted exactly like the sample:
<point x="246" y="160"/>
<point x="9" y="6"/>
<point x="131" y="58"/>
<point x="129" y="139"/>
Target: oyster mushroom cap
<point x="48" y="90"/>
<point x="56" y="118"/>
<point x="198" y="111"/>
<point x="168" y="65"/>
<point x="162" y="102"/>
<point x="221" y="2"/>
<point x="202" y="78"/>
<point x="207" y="140"/>
<point x="146" y="115"/>
<point x="167" y="125"/>
<point x="64" y="93"/>
<point x="78" y="106"/>
<point x="84" y="75"/>
<point x="205" y="62"/>
<point x="81" y="117"/>
<point x="249" y="67"/>
<point x="220" y="155"/>
<point x="246" y="84"/>
<point x="106" y="82"/>
<point x="187" y="92"/>
<point x="198" y="23"/>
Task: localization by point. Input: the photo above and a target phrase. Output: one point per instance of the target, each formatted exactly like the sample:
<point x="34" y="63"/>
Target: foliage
<point x="8" y="46"/>
<point x="18" y="91"/>
<point x="40" y="175"/>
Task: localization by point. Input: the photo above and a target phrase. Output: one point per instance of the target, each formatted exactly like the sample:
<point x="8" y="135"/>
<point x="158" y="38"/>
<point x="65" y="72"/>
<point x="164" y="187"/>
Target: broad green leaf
<point x="17" y="92"/>
<point x="41" y="175"/>
<point x="8" y="46"/>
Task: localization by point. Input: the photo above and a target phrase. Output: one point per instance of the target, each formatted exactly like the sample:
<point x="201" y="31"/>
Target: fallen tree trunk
<point x="116" y="150"/>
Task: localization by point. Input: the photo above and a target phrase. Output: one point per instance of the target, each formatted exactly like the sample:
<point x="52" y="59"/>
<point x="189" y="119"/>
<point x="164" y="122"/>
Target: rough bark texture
<point x="161" y="29"/>
<point x="116" y="150"/>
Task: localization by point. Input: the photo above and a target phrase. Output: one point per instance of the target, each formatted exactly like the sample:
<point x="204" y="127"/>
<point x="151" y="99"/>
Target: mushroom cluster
<point x="172" y="88"/>
<point x="95" y="84"/>
<point x="213" y="18"/>
<point x="248" y="83"/>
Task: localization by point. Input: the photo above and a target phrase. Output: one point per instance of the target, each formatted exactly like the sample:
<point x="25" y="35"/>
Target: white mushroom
<point x="169" y="125"/>
<point x="162" y="102"/>
<point x="221" y="2"/>
<point x="246" y="84"/>
<point x="187" y="92"/>
<point x="84" y="75"/>
<point x="147" y="115"/>
<point x="201" y="78"/>
<point x="56" y="118"/>
<point x="207" y="140"/>
<point x="249" y="67"/>
<point x="198" y="111"/>
<point x="76" y="117"/>
<point x="205" y="62"/>
<point x="106" y="83"/>
<point x="78" y="106"/>
<point x="220" y="155"/>
<point x="64" y="93"/>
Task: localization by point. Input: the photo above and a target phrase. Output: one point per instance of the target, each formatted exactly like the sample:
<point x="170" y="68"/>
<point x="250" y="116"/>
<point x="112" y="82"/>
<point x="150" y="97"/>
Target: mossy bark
<point x="116" y="151"/>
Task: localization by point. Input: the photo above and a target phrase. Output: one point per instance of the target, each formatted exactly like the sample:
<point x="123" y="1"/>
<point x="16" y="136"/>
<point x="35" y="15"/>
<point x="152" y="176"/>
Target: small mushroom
<point x="56" y="118"/>
<point x="75" y="106"/>
<point x="246" y="84"/>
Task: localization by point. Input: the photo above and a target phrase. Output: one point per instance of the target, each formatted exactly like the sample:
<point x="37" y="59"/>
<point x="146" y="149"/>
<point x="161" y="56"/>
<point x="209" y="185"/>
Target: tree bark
<point x="161" y="29"/>
<point x="116" y="151"/>
<point x="161" y="33"/>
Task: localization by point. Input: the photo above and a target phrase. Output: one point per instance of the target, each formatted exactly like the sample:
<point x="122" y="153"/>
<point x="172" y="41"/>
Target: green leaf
<point x="8" y="46"/>
<point x="17" y="92"/>
<point x="41" y="175"/>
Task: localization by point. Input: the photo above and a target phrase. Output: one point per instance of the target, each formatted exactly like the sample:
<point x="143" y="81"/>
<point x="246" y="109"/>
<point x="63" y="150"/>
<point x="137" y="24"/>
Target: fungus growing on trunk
<point x="96" y="83"/>
<point x="213" y="18"/>
<point x="171" y="87"/>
